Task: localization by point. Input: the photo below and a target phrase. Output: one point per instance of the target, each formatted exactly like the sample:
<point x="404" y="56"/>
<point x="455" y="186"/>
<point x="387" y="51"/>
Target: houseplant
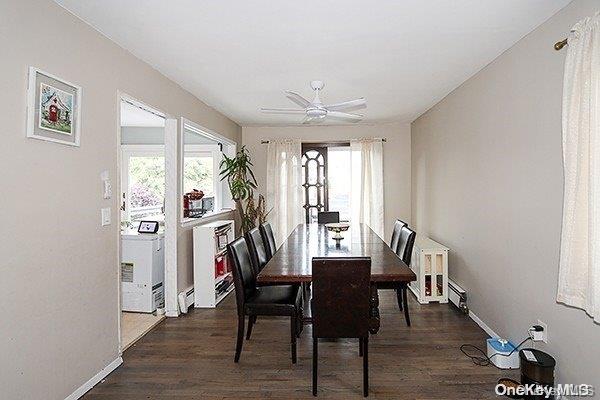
<point x="242" y="182"/>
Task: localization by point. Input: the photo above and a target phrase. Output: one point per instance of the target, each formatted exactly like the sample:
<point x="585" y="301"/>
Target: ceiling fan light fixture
<point x="316" y="112"/>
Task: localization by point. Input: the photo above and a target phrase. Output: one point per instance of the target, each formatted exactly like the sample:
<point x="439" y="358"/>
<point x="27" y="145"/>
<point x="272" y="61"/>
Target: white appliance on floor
<point x="142" y="271"/>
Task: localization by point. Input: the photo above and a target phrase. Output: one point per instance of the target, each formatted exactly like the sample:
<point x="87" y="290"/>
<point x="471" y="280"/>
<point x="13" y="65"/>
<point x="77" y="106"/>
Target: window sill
<point x="191" y="222"/>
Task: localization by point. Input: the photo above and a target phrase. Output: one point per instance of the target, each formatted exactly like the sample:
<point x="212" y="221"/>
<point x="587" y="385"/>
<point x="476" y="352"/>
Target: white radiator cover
<point x="456" y="294"/>
<point x="186" y="299"/>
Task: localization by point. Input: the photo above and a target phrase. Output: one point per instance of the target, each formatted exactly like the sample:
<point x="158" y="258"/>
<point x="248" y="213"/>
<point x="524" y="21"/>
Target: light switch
<point x="105" y="216"/>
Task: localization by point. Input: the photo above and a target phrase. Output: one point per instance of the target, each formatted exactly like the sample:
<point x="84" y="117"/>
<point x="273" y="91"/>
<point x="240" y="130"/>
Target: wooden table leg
<point x="375" y="319"/>
<point x="405" y="303"/>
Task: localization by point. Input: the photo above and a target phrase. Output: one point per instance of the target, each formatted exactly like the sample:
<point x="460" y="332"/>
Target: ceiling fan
<point x="315" y="111"/>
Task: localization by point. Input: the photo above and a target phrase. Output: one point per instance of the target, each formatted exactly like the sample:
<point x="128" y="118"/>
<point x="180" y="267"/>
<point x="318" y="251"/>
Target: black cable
<point x="485" y="360"/>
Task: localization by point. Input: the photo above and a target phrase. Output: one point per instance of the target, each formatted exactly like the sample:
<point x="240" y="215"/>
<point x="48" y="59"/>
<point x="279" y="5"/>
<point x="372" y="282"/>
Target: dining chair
<point x="406" y="241"/>
<point x="267" y="234"/>
<point x="326" y="217"/>
<point x="396" y="234"/>
<point x="253" y="301"/>
<point x="258" y="249"/>
<point x="340" y="306"/>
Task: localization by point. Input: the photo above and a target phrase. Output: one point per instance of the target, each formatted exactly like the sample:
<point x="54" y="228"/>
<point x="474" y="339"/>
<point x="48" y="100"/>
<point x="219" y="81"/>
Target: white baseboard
<point x="81" y="390"/>
<point x="483" y="325"/>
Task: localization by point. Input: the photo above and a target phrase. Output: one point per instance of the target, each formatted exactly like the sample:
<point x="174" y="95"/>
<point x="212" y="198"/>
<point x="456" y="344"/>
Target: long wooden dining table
<point x="292" y="262"/>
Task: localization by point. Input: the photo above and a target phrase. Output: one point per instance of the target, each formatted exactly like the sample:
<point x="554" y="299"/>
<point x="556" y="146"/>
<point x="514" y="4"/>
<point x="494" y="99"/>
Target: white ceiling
<point x="135" y="116"/>
<point x="238" y="56"/>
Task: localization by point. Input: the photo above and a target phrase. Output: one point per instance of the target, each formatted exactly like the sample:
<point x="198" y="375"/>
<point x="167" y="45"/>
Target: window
<point x="143" y="180"/>
<point x="339" y="167"/>
<point x="326" y="179"/>
<point x="198" y="172"/>
<point x="202" y="152"/>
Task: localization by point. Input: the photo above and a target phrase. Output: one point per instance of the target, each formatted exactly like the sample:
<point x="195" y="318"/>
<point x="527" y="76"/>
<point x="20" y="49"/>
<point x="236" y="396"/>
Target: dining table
<point x="292" y="262"/>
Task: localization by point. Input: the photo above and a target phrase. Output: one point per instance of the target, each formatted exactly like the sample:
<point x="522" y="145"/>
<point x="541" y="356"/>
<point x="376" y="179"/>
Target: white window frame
<point x="223" y="200"/>
<point x="199" y="150"/>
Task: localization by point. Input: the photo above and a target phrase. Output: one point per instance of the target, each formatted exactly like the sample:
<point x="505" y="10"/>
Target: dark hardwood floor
<point x="192" y="358"/>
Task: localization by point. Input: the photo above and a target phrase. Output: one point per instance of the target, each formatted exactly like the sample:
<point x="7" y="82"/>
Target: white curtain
<point x="284" y="187"/>
<point x="579" y="270"/>
<point x="367" y="183"/>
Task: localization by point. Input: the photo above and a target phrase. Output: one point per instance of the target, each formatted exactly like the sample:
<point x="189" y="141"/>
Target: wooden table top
<point x="292" y="263"/>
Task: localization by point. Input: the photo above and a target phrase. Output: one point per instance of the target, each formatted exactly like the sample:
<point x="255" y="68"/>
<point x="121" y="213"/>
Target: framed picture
<point x="53" y="108"/>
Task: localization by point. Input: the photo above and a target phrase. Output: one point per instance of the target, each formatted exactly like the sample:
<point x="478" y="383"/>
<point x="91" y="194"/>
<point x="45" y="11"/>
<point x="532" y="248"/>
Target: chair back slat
<point x="406" y="242"/>
<point x="396" y="234"/>
<point x="267" y="233"/>
<point x="244" y="277"/>
<point x="258" y="249"/>
<point x="326" y="217"/>
<point x="341" y="293"/>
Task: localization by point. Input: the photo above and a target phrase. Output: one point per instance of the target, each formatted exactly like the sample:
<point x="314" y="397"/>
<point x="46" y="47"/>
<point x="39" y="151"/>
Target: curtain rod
<point x="559" y="45"/>
<point x="324" y="141"/>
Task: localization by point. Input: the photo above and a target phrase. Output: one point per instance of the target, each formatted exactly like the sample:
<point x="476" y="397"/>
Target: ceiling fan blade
<point x="283" y="110"/>
<point x="348" y="105"/>
<point x="296" y="98"/>
<point x="307" y="120"/>
<point x="344" y="116"/>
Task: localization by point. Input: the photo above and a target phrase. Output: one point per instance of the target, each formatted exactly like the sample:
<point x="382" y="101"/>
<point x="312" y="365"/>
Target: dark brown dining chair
<point x="326" y="217"/>
<point x="404" y="250"/>
<point x="258" y="249"/>
<point x="267" y="233"/>
<point x="340" y="306"/>
<point x="252" y="301"/>
<point x="396" y="234"/>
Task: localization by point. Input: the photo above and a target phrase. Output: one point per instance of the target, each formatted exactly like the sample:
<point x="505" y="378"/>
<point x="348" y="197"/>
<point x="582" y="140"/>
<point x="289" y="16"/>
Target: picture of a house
<point x="56" y="107"/>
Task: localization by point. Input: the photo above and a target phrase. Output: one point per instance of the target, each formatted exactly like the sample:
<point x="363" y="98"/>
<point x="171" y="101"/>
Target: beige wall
<point x="396" y="157"/>
<point x="487" y="182"/>
<point x="59" y="266"/>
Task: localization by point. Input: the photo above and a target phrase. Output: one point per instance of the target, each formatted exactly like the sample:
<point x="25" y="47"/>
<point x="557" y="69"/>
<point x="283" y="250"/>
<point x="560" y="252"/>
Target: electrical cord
<point x="483" y="360"/>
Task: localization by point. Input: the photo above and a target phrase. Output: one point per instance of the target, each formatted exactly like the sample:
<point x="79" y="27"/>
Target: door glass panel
<point x="312" y="153"/>
<point x="312" y="196"/>
<point x="312" y="214"/>
<point x="321" y="197"/>
<point x="312" y="172"/>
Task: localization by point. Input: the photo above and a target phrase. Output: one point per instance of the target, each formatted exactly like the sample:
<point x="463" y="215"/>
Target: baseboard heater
<point x="186" y="299"/>
<point x="457" y="296"/>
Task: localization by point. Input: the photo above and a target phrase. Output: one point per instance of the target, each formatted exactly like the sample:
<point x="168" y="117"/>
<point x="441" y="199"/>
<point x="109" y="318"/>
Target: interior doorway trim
<point x="171" y="217"/>
<point x="170" y="152"/>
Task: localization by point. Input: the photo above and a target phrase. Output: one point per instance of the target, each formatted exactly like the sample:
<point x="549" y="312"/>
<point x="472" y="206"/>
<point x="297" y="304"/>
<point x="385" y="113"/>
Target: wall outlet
<point x="105" y="212"/>
<point x="541" y="336"/>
